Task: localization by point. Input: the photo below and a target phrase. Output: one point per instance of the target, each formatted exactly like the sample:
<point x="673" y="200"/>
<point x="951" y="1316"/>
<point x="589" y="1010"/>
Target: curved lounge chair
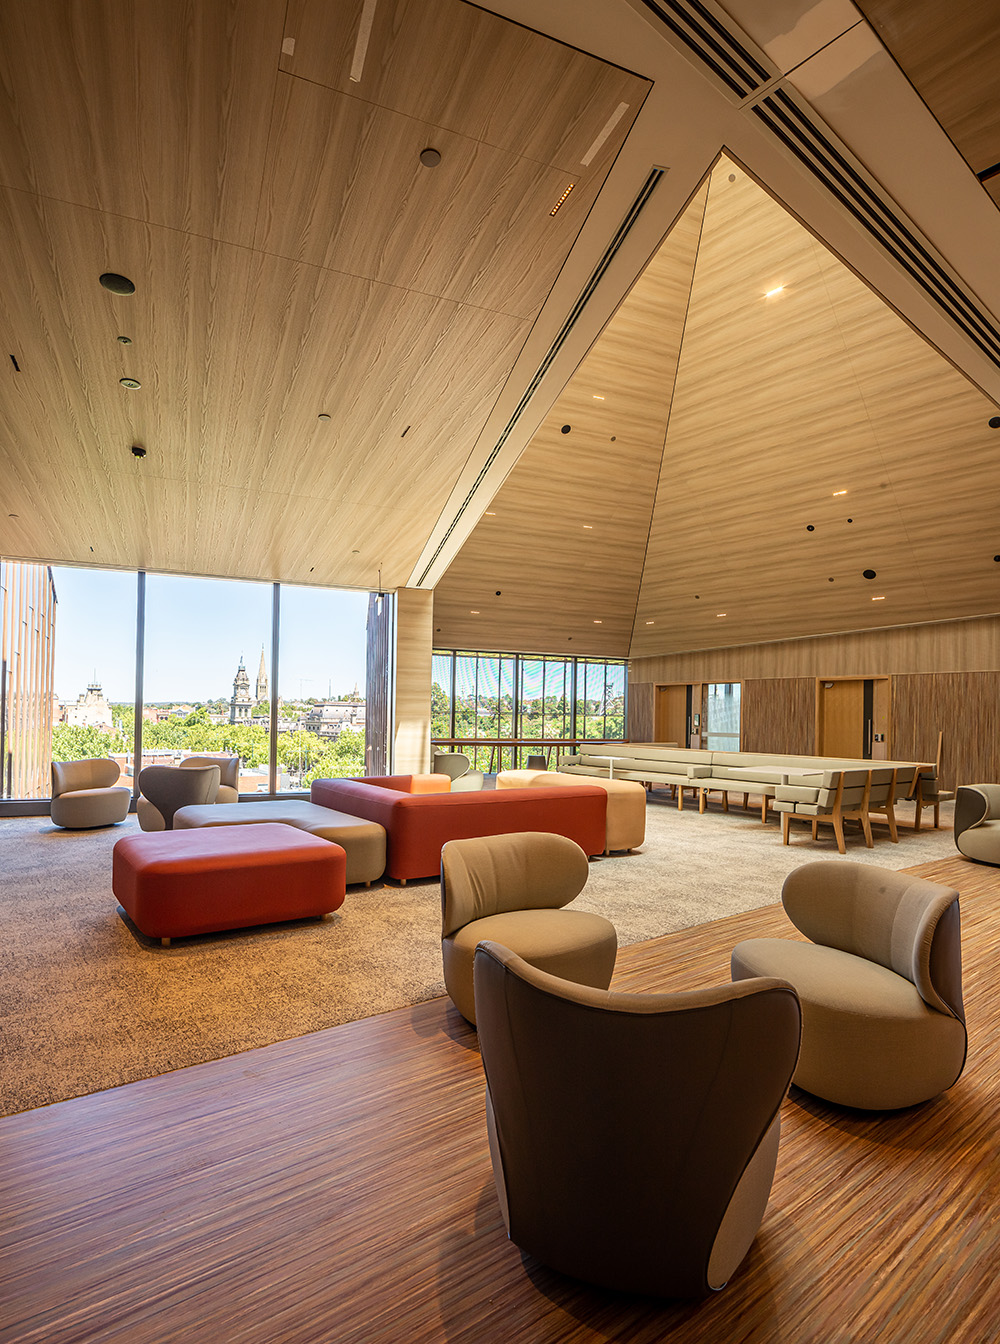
<point x="977" y="822"/>
<point x="883" y="1025"/>
<point x="165" y="788"/>
<point x="511" y="889"/>
<point x="633" y="1136"/>
<point x="87" y="793"/>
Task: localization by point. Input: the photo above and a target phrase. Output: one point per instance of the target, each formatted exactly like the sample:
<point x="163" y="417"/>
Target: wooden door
<point x="670" y="722"/>
<point x="840" y="718"/>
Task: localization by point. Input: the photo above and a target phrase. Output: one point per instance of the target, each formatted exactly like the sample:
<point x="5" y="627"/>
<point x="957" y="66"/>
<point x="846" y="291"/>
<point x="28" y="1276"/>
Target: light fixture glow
<point x="650" y="622"/>
<point x="473" y="613"/>
<point x="720" y="613"/>
<point x="598" y="622"/>
<point x="770" y="293"/>
<point x="555" y="208"/>
<point x="598" y="397"/>
<point x="879" y="599"/>
<point x="490" y="513"/>
<point x="589" y="526"/>
<point x="839" y="492"/>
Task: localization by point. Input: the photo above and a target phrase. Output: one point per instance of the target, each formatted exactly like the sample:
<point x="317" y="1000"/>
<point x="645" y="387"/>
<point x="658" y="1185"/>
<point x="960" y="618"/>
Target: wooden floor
<point x="338" y="1188"/>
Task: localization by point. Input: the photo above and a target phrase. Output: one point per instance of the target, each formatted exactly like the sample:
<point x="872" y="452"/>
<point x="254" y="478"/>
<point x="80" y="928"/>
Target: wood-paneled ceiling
<point x="781" y="446"/>
<point x="254" y="167"/>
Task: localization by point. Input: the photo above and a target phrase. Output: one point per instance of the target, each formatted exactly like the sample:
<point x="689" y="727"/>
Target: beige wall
<point x="412" y="681"/>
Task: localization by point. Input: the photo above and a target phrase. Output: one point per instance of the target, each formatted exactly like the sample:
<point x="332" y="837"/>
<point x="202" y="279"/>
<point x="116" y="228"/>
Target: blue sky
<point x="196" y="631"/>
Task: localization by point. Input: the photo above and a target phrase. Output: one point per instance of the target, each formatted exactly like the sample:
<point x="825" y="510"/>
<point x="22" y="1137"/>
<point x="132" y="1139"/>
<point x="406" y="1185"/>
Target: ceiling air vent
<point x="798" y="129"/>
<point x="612" y="250"/>
<point x="729" y="60"/>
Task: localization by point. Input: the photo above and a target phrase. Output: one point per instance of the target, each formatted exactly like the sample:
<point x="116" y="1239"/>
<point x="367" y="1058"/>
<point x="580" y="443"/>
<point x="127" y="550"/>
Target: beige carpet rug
<point x="87" y="1003"/>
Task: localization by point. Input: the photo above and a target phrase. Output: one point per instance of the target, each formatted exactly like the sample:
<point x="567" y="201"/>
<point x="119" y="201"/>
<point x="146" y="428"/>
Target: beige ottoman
<point x="626" y="801"/>
<point x="362" y="841"/>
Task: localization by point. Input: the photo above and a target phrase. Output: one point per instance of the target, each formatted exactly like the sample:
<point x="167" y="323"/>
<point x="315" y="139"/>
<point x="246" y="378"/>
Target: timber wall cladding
<point x="779" y="715"/>
<point x="965" y="706"/>
<point x="639" y="727"/>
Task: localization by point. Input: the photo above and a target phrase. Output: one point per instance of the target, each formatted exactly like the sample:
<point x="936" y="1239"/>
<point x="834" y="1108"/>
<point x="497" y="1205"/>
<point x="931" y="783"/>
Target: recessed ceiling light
<point x="720" y="613"/>
<point x="125" y="340"/>
<point x="322" y="416"/>
<point x="131" y="383"/>
<point x="839" y="492"/>
<point x="490" y="513"/>
<point x="879" y="599"/>
<point x="770" y="293"/>
<point x="589" y="527"/>
<point x="650" y="622"/>
<point x="473" y="613"/>
<point x="598" y="622"/>
<point x="430" y="158"/>
<point x="598" y="397"/>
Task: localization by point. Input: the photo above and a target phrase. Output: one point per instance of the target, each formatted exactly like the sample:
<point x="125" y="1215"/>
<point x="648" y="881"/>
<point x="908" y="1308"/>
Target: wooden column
<point x="412" y="681"/>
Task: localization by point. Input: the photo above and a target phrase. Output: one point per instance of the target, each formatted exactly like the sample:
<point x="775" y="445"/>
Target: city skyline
<point x="197" y="630"/>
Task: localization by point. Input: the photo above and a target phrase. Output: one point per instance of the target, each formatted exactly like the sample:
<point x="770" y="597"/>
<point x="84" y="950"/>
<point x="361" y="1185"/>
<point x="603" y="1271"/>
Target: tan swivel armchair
<point x="880" y="984"/>
<point x="457" y="766"/>
<point x="977" y="822"/>
<point x="511" y="889"/>
<point x="633" y="1136"/>
<point x="87" y="793"/>
<point x="164" y="789"/>
<point x="229" y="774"/>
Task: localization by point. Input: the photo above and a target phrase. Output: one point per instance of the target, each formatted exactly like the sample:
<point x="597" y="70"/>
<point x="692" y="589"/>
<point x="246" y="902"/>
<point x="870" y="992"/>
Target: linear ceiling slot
<point x="702" y="32"/>
<point x="624" y="229"/>
<point x="833" y="166"/>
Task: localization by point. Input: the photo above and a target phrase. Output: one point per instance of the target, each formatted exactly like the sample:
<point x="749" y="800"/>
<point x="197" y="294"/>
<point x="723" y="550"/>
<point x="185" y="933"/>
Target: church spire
<point x="262" y="695"/>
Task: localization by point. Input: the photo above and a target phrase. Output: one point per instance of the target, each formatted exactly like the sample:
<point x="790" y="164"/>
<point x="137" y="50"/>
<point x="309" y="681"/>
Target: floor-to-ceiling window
<point x="321" y="685"/>
<point x="501" y="708"/>
<point x="206" y="652"/>
<point x="93" y="702"/>
<point x="207" y="645"/>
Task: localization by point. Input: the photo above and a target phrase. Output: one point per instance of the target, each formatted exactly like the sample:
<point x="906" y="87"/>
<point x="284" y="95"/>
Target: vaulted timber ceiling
<point x="736" y="491"/>
<point x="254" y="166"/>
<point x="255" y="169"/>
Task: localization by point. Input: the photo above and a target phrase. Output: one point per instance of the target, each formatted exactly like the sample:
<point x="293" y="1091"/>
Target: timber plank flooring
<point x="338" y="1187"/>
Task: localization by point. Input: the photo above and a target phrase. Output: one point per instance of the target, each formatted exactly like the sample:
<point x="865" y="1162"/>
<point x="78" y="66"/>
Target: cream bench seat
<point x="626" y="817"/>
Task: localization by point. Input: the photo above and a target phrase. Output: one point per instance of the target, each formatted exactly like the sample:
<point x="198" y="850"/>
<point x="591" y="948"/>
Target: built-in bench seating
<point x="799" y="785"/>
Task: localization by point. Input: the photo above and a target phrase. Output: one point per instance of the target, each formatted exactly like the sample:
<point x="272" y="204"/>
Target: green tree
<point x="341" y="759"/>
<point x="76" y="742"/>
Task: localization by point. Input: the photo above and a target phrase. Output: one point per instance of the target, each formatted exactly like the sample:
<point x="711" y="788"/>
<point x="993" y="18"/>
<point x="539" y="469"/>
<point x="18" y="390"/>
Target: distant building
<point x="242" y="703"/>
<point x="330" y="718"/>
<point x="262" y="695"/>
<point x="245" y="707"/>
<point x="90" y="710"/>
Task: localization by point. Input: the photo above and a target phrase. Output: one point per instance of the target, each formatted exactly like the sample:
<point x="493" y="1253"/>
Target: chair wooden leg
<point x="937" y="816"/>
<point x="725" y="801"/>
<point x="866" y="826"/>
<point x="815" y="827"/>
<point x="680" y="798"/>
<point x="785" y="819"/>
<point x="890" y="814"/>
<point x="838" y="829"/>
<point x="702" y="795"/>
<point x="746" y="802"/>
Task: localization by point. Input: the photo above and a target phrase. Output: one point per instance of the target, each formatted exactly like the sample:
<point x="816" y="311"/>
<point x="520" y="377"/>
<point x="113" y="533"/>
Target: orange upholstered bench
<point x="172" y="884"/>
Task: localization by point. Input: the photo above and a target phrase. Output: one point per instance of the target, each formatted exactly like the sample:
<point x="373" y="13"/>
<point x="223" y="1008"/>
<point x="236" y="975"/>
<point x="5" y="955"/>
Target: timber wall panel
<point x="965" y="706"/>
<point x="640" y="712"/>
<point x="779" y="715"/>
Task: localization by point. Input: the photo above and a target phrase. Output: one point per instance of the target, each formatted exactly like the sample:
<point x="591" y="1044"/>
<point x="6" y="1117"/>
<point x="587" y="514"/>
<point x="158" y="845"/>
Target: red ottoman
<point x="175" y="883"/>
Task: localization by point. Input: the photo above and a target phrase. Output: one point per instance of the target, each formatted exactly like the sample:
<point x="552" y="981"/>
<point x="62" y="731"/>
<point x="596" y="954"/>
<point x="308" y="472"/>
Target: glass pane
<point x="722" y="718"/>
<point x="441" y="695"/>
<point x="94" y="690"/>
<point x="531" y="709"/>
<point x="205" y="675"/>
<point x="321" y="684"/>
<point x="557" y="697"/>
<point x="465" y="695"/>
